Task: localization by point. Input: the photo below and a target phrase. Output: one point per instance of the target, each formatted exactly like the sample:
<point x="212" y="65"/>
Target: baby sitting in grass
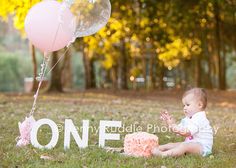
<point x="195" y="127"/>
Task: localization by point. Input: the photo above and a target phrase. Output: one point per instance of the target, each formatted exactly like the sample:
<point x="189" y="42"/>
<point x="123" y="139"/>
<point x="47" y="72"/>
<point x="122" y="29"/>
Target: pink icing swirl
<point x="140" y="144"/>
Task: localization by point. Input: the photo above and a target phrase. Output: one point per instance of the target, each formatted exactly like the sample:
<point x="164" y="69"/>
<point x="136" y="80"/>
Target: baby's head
<point x="194" y="100"/>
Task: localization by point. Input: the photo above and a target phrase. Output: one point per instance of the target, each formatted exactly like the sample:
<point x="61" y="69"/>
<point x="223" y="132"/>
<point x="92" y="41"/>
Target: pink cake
<point x="140" y="144"/>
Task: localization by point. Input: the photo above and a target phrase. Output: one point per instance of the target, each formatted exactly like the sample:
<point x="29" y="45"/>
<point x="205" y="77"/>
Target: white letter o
<point x="34" y="131"/>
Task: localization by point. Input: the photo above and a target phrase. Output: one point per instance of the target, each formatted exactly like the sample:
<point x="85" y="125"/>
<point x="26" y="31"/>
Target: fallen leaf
<point x="46" y="157"/>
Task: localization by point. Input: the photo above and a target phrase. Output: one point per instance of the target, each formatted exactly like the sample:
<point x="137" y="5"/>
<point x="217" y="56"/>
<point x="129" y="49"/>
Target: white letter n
<point x="70" y="129"/>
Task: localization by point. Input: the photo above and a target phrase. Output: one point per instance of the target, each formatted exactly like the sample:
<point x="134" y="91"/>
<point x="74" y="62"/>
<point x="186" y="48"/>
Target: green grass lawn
<point x="140" y="108"/>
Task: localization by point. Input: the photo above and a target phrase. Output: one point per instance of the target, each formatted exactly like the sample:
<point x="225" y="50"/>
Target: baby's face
<point x="191" y="105"/>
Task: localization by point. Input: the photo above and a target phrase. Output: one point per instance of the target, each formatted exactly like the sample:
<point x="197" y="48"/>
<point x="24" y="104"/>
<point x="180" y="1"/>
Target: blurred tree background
<point x="147" y="44"/>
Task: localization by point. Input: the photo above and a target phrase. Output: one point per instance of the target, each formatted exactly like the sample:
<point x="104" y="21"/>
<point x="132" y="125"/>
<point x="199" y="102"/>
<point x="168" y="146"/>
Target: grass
<point x="140" y="108"/>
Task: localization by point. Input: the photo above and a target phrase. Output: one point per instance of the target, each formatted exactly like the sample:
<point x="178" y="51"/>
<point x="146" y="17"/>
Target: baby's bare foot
<point x="156" y="152"/>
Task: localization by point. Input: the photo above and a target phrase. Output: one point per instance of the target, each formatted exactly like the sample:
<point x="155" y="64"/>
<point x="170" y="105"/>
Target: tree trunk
<point x="123" y="67"/>
<point x="161" y="75"/>
<point x="107" y="78"/>
<point x="223" y="63"/>
<point x="185" y="77"/>
<point x="206" y="52"/>
<point x="67" y="71"/>
<point x="92" y="73"/>
<point x="197" y="72"/>
<point x="144" y="61"/>
<point x="114" y="77"/>
<point x="153" y="65"/>
<point x="212" y="63"/>
<point x="223" y="70"/>
<point x="89" y="71"/>
<point x="218" y="45"/>
<point x="34" y="61"/>
<point x="205" y="74"/>
<point x="56" y="82"/>
<point x="86" y="69"/>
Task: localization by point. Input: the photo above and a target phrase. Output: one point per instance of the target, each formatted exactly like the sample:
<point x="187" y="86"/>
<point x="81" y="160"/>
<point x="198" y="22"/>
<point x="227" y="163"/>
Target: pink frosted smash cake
<point x="140" y="144"/>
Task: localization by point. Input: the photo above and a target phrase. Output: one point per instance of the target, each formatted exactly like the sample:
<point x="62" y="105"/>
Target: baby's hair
<point x="198" y="93"/>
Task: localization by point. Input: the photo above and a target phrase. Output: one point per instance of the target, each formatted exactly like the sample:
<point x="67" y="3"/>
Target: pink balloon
<point x="44" y="28"/>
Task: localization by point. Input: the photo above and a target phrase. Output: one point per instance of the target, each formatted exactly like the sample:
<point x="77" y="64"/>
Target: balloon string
<point x="58" y="60"/>
<point x="42" y="73"/>
<point x="55" y="37"/>
<point x="41" y="76"/>
<point x="60" y="56"/>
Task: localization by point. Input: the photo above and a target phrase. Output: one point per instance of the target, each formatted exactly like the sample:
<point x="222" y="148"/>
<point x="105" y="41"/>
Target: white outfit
<point x="201" y="131"/>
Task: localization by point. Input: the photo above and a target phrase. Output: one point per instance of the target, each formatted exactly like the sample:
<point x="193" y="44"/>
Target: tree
<point x="18" y="10"/>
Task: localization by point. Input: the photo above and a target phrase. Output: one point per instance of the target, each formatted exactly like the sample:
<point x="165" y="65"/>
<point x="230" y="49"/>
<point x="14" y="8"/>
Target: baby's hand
<point x="165" y="116"/>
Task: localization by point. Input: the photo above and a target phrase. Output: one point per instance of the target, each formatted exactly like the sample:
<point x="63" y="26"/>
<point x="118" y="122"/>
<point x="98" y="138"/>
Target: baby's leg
<point x="162" y="148"/>
<point x="183" y="148"/>
<point x="168" y="146"/>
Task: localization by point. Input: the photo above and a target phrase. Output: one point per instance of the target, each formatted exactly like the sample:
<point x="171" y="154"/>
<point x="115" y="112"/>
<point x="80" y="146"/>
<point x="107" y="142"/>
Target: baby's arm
<point x="173" y="126"/>
<point x="180" y="130"/>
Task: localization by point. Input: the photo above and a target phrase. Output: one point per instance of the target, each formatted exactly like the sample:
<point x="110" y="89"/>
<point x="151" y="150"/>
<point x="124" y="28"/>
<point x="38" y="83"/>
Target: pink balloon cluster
<point x="49" y="27"/>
